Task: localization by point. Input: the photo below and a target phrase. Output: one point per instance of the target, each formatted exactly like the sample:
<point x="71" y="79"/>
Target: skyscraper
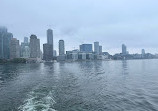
<point x="124" y="49"/>
<point x="1" y="44"/>
<point x="24" y="47"/>
<point x="96" y="47"/>
<point x="48" y="47"/>
<point x="100" y="49"/>
<point x="5" y="39"/>
<point x="47" y="52"/>
<point x="3" y="30"/>
<point x="87" y="48"/>
<point x="61" y="47"/>
<point x="6" y="45"/>
<point x="50" y="37"/>
<point x="143" y="53"/>
<point x="14" y="48"/>
<point x="34" y="47"/>
<point x="26" y="40"/>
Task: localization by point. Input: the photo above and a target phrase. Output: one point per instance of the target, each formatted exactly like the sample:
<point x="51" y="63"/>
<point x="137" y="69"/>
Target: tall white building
<point x="61" y="47"/>
<point x="14" y="48"/>
<point x="34" y="47"/>
<point x="124" y="49"/>
<point x="96" y="47"/>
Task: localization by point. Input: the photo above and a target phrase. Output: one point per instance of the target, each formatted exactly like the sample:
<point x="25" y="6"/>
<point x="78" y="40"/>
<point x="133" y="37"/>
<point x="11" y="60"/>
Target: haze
<point x="111" y="22"/>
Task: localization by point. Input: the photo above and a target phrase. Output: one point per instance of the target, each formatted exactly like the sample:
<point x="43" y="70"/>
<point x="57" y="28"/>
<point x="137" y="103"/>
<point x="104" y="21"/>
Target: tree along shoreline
<point x="15" y="60"/>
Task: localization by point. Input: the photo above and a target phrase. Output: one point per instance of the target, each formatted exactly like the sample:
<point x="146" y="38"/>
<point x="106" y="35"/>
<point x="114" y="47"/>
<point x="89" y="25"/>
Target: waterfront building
<point x="14" y="48"/>
<point x="6" y="45"/>
<point x="23" y="48"/>
<point x="106" y="54"/>
<point x="82" y="56"/>
<point x="26" y="52"/>
<point x="41" y="54"/>
<point x="54" y="53"/>
<point x="87" y="48"/>
<point x="50" y="37"/>
<point x="61" y="58"/>
<point x="26" y="40"/>
<point x="61" y="47"/>
<point x="89" y="56"/>
<point x="100" y="50"/>
<point x="5" y="39"/>
<point x="99" y="57"/>
<point x="34" y="47"/>
<point x="47" y="52"/>
<point x="3" y="29"/>
<point x="72" y="55"/>
<point x="96" y="48"/>
<point x="143" y="53"/>
<point x="124" y="49"/>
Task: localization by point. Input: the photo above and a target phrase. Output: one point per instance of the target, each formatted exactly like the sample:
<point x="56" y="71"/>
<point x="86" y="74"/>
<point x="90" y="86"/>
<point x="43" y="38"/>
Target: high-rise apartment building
<point x="61" y="47"/>
<point x="47" y="52"/>
<point x="5" y="39"/>
<point x="26" y="41"/>
<point x="34" y="47"/>
<point x="96" y="47"/>
<point x="124" y="49"/>
<point x="24" y="47"/>
<point x="14" y="48"/>
<point x="143" y="53"/>
<point x="48" y="47"/>
<point x="26" y="52"/>
<point x="50" y="37"/>
<point x="100" y="49"/>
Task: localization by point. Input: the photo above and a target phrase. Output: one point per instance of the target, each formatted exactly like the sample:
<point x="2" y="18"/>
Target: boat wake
<point x="38" y="100"/>
<point x="1" y="80"/>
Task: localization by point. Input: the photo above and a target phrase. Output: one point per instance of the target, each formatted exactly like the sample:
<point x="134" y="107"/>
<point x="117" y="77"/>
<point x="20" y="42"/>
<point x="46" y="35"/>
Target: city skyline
<point x="76" y="24"/>
<point x="96" y="47"/>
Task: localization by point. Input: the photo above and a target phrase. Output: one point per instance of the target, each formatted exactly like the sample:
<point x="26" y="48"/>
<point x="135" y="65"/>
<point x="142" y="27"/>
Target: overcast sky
<point x="111" y="22"/>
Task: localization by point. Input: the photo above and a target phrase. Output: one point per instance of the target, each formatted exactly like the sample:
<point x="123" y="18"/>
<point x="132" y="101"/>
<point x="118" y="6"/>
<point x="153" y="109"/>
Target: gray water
<point x="80" y="86"/>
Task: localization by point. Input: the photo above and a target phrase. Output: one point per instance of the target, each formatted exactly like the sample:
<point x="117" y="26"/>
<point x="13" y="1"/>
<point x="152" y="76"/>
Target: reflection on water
<point x="125" y="69"/>
<point x="80" y="86"/>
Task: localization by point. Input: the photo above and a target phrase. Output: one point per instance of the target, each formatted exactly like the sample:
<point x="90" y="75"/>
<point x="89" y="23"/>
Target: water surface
<point x="80" y="86"/>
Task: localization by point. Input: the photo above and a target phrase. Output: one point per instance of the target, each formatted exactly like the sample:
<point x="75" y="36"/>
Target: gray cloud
<point x="112" y="22"/>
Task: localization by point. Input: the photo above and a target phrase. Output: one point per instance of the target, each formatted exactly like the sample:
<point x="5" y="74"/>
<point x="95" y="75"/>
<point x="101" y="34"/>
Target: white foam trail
<point x="37" y="101"/>
<point x="1" y="80"/>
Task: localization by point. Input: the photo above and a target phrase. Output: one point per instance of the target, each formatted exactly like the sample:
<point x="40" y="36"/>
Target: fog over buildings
<point x="111" y="22"/>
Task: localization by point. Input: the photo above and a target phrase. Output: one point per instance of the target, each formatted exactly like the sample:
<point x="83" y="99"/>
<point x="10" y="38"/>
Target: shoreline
<point x="24" y="61"/>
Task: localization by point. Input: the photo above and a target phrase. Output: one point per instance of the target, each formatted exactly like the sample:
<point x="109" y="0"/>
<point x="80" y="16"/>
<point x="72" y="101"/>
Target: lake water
<point x="80" y="86"/>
